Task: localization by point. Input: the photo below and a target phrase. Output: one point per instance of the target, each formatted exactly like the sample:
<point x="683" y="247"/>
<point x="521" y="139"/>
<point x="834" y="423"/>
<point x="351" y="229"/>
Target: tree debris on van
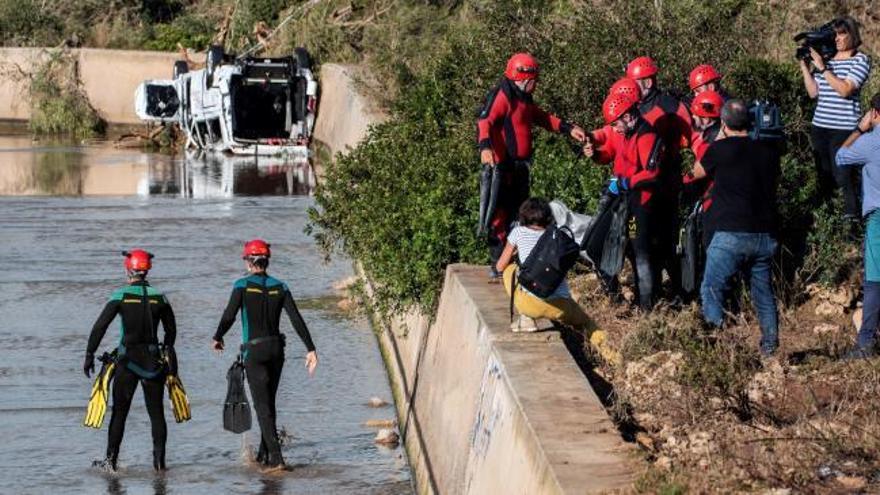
<point x="243" y="105"/>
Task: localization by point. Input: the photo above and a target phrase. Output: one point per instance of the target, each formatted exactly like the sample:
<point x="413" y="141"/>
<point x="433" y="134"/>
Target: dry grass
<point x="714" y="418"/>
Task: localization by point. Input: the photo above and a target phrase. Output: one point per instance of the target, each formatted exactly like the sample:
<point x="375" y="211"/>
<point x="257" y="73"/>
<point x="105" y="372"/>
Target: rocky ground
<point x="711" y="416"/>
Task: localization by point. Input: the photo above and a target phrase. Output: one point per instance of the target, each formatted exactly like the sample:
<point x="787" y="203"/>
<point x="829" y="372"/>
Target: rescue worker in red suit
<point x="504" y="137"/>
<point x="604" y="141"/>
<point x="704" y="77"/>
<point x="672" y="123"/>
<point x="706" y="109"/>
<point x="637" y="169"/>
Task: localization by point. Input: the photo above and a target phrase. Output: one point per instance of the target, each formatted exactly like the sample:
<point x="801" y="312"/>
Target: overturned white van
<point x="245" y="105"/>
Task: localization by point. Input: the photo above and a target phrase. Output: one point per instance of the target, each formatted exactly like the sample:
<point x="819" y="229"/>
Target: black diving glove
<point x="171" y="360"/>
<point x="89" y="365"/>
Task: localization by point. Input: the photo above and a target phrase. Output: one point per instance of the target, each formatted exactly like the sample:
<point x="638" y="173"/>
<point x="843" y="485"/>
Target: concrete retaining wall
<point x="344" y="115"/>
<point x="109" y="78"/>
<point x="484" y="410"/>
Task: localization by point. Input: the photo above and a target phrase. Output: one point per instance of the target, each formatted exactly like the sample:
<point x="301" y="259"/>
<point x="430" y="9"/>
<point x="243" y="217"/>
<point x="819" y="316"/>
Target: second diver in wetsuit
<point x="260" y="298"/>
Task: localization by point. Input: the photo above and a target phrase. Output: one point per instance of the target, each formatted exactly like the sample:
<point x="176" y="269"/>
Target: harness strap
<point x="262" y="340"/>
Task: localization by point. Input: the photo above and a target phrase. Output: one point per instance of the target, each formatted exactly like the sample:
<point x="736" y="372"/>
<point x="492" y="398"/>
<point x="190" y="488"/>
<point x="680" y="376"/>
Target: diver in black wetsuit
<point x="261" y="299"/>
<point x="138" y="358"/>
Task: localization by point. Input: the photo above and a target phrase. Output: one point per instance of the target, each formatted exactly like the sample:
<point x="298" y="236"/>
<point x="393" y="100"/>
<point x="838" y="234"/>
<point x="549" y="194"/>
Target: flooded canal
<point x="66" y="212"/>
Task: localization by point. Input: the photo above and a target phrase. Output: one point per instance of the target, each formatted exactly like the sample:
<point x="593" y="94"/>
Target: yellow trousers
<point x="564" y="310"/>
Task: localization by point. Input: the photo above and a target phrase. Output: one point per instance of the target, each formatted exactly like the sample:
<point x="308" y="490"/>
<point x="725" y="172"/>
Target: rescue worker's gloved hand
<point x="89" y="365"/>
<point x="588" y="149"/>
<point x="617" y="184"/>
<point x="171" y="359"/>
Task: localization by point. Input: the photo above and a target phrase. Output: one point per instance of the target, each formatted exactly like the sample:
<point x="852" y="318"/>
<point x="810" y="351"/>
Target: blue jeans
<point x="732" y="252"/>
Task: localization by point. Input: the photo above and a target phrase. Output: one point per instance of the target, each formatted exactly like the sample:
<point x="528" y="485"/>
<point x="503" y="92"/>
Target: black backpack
<point x="553" y="256"/>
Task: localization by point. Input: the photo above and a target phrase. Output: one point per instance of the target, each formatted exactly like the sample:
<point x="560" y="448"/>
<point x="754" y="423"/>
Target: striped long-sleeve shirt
<point x="834" y="111"/>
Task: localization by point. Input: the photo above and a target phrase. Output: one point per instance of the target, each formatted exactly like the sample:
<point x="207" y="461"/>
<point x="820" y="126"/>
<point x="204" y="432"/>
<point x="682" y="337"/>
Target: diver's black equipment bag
<point x="550" y="260"/>
<point x="691" y="251"/>
<point x="236" y="410"/>
<point x="604" y="242"/>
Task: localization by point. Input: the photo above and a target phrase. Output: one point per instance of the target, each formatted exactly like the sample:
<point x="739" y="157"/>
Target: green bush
<point x="188" y="30"/>
<point x="25" y="23"/>
<point x="58" y="104"/>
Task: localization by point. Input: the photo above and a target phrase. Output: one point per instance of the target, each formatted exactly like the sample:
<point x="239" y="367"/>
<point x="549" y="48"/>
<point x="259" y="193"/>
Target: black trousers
<point x="643" y="251"/>
<point x="263" y="364"/>
<point x="514" y="190"/>
<point x="826" y="142"/>
<point x="666" y="230"/>
<point x="125" y="383"/>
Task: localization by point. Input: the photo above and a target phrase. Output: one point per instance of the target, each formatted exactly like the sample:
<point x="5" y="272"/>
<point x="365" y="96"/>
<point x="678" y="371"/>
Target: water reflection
<point x="27" y="168"/>
<point x="212" y="175"/>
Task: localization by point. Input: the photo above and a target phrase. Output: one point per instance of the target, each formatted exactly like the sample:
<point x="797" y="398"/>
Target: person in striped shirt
<point x="836" y="85"/>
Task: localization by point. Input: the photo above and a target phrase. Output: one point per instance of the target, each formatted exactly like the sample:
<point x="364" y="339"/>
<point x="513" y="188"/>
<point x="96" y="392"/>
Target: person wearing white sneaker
<point x="535" y="216"/>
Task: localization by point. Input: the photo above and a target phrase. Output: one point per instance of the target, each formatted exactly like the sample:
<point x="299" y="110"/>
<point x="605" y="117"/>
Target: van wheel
<point x="180" y="67"/>
<point x="214" y="60"/>
<point x="303" y="60"/>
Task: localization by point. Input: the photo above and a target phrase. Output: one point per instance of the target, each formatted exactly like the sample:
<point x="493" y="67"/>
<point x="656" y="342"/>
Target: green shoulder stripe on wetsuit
<point x="117" y="294"/>
<point x="138" y="290"/>
<point x="274" y="282"/>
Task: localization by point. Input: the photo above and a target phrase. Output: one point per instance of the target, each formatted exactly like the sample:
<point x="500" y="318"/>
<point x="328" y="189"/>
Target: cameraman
<point x="742" y="222"/>
<point x="836" y="83"/>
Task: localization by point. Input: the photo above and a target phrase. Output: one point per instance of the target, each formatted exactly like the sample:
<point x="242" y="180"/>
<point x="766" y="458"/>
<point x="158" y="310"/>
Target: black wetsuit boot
<point x="159" y="460"/>
<point x="110" y="461"/>
<point x="262" y="452"/>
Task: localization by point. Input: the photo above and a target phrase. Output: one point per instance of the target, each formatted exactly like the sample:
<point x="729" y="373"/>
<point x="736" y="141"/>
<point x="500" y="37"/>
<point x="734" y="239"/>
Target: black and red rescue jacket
<point x="639" y="160"/>
<point x="505" y="122"/>
<point x="672" y="122"/>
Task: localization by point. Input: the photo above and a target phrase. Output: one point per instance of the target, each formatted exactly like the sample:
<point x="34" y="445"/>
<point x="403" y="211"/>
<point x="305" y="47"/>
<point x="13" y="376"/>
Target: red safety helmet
<point x="522" y="67"/>
<point x="626" y="87"/>
<point x="256" y="248"/>
<point x="641" y="68"/>
<point x="707" y="104"/>
<point x="615" y="106"/>
<point x="138" y="260"/>
<point x="702" y="74"/>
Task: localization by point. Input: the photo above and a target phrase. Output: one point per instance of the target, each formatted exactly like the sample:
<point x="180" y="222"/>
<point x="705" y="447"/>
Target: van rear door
<point x="157" y="101"/>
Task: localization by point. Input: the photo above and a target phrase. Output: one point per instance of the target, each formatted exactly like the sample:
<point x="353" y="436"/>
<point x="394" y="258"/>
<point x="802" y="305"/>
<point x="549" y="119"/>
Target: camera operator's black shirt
<point x="746" y="173"/>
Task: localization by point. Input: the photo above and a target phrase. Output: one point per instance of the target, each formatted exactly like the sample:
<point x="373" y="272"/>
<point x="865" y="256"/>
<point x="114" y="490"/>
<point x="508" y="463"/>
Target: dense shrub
<point x="24" y="22"/>
<point x="58" y="103"/>
<point x="188" y="30"/>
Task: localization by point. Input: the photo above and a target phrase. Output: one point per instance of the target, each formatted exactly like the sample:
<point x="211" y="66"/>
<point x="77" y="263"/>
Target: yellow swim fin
<point x="100" y="396"/>
<point x="177" y="396"/>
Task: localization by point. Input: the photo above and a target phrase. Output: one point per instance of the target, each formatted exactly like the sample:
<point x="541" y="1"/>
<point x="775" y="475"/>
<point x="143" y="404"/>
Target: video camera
<point x="821" y="40"/>
<point x="765" y="121"/>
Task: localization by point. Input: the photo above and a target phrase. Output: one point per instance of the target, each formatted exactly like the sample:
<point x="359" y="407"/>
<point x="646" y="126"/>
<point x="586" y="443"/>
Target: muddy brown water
<point x="66" y="211"/>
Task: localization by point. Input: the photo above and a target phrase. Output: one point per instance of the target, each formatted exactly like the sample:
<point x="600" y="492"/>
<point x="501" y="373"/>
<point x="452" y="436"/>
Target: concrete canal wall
<point x="485" y="410"/>
<point x="344" y="114"/>
<point x="109" y="78"/>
